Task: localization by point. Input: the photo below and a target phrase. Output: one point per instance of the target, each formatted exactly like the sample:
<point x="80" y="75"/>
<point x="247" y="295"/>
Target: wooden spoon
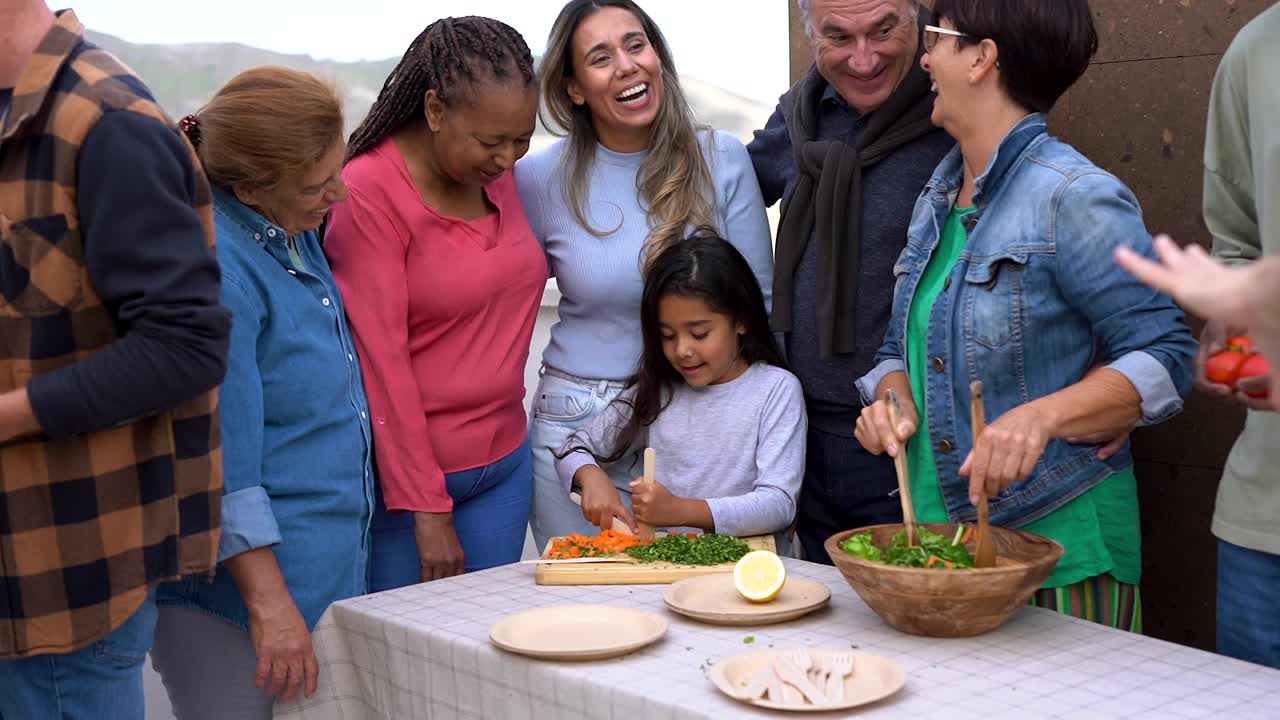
<point x="650" y="459"/>
<point x="900" y="464"/>
<point x="985" y="555"/>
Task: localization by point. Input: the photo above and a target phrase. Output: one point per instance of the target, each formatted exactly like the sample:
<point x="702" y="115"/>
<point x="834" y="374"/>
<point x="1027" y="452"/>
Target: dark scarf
<point x="828" y="195"/>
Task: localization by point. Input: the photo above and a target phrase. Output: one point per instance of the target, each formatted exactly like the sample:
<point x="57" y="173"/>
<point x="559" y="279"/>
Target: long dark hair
<point x="706" y="267"/>
<point x="675" y="178"/>
<point x="451" y="50"/>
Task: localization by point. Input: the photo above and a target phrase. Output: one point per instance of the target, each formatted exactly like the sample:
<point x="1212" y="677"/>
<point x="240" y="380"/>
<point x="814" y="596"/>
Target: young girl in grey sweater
<point x="712" y="397"/>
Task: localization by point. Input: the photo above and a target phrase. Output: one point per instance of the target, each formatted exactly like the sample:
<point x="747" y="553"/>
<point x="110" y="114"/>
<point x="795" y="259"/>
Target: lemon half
<point x="759" y="576"/>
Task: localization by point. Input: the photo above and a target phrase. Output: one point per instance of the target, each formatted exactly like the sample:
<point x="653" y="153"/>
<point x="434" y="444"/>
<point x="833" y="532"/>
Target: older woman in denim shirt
<point x="1007" y="278"/>
<point x="295" y="431"/>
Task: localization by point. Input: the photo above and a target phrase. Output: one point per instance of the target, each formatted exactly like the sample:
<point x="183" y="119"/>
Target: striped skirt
<point x="1101" y="599"/>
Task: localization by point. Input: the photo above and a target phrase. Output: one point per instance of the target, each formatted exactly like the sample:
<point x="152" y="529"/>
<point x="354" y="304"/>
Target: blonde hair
<point x="266" y="125"/>
<point x="674" y="180"/>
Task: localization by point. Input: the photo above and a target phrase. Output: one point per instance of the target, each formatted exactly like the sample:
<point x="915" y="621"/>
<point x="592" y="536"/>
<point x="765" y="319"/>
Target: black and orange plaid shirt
<point x="89" y="523"/>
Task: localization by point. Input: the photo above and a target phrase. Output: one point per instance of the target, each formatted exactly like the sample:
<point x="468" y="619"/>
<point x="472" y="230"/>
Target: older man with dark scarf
<point x="848" y="150"/>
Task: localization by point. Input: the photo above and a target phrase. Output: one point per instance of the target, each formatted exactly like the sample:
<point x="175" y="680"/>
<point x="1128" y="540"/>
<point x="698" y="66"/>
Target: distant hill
<point x="183" y="77"/>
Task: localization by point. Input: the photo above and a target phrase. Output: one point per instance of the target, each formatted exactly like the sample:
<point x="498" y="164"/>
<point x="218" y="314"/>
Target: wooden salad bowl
<point x="939" y="602"/>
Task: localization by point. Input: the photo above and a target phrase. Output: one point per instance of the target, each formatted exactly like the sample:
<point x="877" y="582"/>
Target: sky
<point x="740" y="45"/>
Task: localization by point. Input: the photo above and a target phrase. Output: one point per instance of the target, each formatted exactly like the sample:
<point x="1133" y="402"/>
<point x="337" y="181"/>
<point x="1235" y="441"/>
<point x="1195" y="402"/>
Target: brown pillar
<point x="1139" y="112"/>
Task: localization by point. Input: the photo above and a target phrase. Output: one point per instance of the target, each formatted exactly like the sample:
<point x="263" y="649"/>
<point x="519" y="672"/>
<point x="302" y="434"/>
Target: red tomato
<point x="1223" y="367"/>
<point x="1254" y="366"/>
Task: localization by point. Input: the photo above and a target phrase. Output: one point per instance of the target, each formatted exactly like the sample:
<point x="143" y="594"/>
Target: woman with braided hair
<point x="632" y="175"/>
<point x="442" y="279"/>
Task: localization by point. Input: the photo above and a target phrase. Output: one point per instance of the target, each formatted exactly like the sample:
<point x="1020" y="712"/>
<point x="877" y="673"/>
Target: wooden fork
<point x="985" y="554"/>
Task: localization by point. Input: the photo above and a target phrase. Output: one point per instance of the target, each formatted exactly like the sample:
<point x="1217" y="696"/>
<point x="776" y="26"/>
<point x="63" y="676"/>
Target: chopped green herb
<point x="709" y="549"/>
<point x="748" y="639"/>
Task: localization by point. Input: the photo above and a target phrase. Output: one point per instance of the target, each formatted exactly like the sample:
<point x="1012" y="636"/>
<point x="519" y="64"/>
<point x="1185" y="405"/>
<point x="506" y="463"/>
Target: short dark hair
<point x="1045" y="45"/>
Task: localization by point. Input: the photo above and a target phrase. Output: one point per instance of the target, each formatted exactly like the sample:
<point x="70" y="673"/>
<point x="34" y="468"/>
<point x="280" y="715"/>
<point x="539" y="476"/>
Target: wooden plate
<point x="714" y="599"/>
<point x="577" y="632"/>
<point x="874" y="678"/>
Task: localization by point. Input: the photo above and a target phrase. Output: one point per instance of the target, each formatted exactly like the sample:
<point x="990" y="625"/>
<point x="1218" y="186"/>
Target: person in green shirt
<point x="1008" y="279"/>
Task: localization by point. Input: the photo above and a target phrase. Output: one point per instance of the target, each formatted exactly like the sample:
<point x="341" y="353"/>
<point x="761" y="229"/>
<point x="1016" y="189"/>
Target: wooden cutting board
<point x="634" y="572"/>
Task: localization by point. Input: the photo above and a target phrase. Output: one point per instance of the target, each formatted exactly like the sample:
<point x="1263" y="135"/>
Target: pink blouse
<point x="442" y="310"/>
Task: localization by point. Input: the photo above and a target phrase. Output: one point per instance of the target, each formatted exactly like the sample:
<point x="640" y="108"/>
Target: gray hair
<point x="914" y="5"/>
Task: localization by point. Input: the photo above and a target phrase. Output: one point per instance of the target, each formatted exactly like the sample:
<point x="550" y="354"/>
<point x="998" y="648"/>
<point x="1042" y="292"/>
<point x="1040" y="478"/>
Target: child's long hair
<point x="706" y="267"/>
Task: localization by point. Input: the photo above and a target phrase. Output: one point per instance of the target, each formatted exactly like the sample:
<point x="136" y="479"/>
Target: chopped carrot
<point x="968" y="535"/>
<point x="948" y="564"/>
<point x="933" y="560"/>
<point x="607" y="542"/>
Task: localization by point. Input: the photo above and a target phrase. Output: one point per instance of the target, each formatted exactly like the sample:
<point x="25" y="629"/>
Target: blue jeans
<point x="845" y="487"/>
<point x="99" y="682"/>
<point x="563" y="404"/>
<point x="1249" y="604"/>
<point x="490" y="514"/>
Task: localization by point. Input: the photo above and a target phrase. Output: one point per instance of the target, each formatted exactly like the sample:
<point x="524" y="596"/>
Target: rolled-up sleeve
<point x="868" y="383"/>
<point x="1154" y="383"/>
<point x="247" y="520"/>
<point x="1142" y="329"/>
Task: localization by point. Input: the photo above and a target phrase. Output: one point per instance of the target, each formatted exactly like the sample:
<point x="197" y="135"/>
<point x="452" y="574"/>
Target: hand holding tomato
<point x="1237" y="362"/>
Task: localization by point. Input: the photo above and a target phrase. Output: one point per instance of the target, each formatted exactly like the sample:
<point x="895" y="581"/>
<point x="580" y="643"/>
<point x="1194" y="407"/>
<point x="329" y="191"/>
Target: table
<point x="423" y="652"/>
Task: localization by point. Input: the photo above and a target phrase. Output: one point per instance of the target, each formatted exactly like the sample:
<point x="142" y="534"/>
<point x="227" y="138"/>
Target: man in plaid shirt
<point x="112" y="342"/>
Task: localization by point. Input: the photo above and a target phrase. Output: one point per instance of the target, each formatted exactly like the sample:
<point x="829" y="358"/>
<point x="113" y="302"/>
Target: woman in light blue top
<point x="631" y="176"/>
<point x="296" y="440"/>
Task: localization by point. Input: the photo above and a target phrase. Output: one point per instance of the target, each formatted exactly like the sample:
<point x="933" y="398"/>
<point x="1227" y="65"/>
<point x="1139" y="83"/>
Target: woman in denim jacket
<point x="296" y="441"/>
<point x="1008" y="278"/>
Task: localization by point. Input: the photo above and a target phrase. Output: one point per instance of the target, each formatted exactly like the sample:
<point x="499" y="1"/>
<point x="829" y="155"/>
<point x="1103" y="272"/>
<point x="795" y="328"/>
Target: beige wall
<point x="1139" y="112"/>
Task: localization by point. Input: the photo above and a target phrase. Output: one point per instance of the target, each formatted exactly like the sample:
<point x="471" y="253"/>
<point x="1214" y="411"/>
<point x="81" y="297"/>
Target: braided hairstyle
<point x="450" y="51"/>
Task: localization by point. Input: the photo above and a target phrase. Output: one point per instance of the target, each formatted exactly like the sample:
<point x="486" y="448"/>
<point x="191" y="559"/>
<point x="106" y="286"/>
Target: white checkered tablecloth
<point x="424" y="652"/>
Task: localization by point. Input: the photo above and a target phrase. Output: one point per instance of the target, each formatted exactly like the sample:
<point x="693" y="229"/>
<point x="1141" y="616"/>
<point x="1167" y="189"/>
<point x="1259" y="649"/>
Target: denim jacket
<point x="1034" y="301"/>
<point x="295" y="424"/>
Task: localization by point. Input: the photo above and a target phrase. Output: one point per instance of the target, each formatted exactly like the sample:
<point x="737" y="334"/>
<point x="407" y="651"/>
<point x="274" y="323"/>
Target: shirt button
<point x="271" y="233"/>
<point x="351" y="358"/>
<point x="326" y="302"/>
<point x="939" y="365"/>
<point x="293" y="272"/>
<point x="944" y="446"/>
<point x="363" y="415"/>
<point x="257" y="236"/>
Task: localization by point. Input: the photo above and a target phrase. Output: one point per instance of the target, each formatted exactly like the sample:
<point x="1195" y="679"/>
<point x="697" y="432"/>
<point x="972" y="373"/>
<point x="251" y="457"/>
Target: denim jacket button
<point x="939" y="365"/>
<point x="944" y="446"/>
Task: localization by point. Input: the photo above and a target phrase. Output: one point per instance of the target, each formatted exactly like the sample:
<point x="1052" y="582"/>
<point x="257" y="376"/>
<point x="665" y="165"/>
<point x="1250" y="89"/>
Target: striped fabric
<point x="1101" y="599"/>
<point x="88" y="523"/>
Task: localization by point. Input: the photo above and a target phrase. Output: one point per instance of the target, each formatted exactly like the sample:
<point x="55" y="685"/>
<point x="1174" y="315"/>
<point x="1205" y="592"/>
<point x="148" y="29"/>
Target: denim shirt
<point x="1034" y="301"/>
<point x="296" y="438"/>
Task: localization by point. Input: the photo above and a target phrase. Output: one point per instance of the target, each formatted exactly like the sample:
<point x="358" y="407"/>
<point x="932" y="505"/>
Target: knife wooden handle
<point x="650" y="461"/>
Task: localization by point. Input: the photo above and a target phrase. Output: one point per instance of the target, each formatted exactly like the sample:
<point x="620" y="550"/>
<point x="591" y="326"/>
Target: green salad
<point x="934" y="550"/>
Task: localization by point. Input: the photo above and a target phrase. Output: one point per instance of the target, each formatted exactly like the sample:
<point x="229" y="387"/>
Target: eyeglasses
<point x="931" y="33"/>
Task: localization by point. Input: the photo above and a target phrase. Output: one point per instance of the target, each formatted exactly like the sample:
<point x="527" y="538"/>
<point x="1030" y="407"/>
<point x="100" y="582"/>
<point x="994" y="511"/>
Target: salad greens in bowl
<point x="931" y="588"/>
